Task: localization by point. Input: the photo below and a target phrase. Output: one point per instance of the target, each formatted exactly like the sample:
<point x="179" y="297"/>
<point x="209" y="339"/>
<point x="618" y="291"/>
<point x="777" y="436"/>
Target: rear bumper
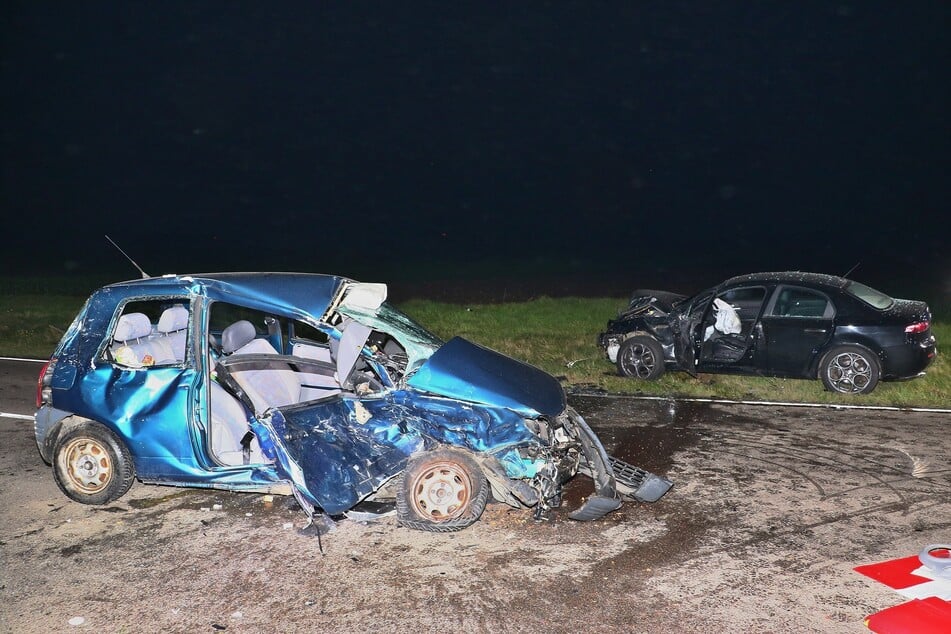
<point x="909" y="360"/>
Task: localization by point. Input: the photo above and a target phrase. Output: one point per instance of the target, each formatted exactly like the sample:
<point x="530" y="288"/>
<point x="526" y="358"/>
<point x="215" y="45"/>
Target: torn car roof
<point x="301" y="293"/>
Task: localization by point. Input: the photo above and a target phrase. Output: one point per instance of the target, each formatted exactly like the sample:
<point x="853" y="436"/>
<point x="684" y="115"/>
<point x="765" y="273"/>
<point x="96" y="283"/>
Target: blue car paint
<point x="335" y="460"/>
<point x="335" y="451"/>
<point x="151" y="408"/>
<point x="467" y="371"/>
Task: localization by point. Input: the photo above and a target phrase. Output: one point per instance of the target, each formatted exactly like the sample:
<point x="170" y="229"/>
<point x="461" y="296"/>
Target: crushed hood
<point x="463" y="370"/>
<point x="642" y="299"/>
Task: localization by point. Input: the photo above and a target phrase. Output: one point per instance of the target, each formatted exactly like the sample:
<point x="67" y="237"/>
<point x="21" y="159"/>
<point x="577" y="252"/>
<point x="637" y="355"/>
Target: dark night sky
<point x="357" y="138"/>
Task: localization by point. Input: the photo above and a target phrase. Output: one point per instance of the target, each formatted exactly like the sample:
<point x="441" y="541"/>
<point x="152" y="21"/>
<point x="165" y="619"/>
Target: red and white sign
<point x="928" y="612"/>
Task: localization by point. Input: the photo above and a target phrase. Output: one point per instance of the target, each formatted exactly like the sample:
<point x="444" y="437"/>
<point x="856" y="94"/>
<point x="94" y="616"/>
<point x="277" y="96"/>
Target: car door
<point x="147" y="393"/>
<point x="686" y="325"/>
<point x="733" y="345"/>
<point x="797" y="324"/>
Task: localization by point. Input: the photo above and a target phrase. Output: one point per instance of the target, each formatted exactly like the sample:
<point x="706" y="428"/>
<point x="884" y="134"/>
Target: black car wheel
<point x="441" y="491"/>
<point x="91" y="465"/>
<point x="849" y="370"/>
<point x="641" y="357"/>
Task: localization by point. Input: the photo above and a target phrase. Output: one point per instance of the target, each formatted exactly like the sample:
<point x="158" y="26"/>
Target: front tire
<point x="641" y="357"/>
<point x="441" y="491"/>
<point x="849" y="370"/>
<point x="91" y="465"/>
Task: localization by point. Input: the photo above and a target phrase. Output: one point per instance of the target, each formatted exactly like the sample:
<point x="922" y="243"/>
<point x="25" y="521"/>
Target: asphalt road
<point x="772" y="508"/>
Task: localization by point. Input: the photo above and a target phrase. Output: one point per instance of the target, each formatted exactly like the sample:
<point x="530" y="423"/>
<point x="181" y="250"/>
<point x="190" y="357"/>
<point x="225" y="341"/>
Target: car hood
<point x="643" y="299"/>
<point x="466" y="371"/>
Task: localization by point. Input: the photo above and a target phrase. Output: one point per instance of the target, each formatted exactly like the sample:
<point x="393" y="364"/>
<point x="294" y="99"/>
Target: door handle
<point x="814" y="330"/>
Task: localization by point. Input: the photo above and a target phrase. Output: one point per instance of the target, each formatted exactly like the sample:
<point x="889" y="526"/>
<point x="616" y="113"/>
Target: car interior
<point x="279" y="362"/>
<point x="731" y="345"/>
<point x="270" y="361"/>
<point x="138" y="342"/>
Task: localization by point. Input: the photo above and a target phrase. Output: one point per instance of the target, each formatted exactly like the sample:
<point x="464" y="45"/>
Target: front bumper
<point x="609" y="343"/>
<point x="614" y="479"/>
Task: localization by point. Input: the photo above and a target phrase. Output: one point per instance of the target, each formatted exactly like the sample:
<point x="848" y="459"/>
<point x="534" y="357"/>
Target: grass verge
<point x="546" y="332"/>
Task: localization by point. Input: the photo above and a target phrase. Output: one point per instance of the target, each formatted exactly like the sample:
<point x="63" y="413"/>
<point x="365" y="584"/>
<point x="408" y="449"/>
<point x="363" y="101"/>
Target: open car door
<point x="685" y="326"/>
<point x="332" y="458"/>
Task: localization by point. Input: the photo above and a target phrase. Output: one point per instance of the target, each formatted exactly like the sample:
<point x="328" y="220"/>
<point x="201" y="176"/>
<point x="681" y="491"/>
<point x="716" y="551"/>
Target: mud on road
<point x="772" y="508"/>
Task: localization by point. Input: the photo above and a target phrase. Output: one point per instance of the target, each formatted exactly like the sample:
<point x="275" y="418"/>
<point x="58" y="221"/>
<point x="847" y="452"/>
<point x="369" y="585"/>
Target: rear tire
<point x="91" y="465"/>
<point x="441" y="491"/>
<point x="849" y="370"/>
<point x="641" y="357"/>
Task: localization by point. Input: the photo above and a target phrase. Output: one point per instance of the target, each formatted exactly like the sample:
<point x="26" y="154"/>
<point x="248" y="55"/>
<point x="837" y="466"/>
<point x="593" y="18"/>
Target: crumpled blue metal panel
<point x="336" y="460"/>
<point x="332" y="459"/>
<point x="150" y="410"/>
<point x="467" y="371"/>
<point x="307" y="295"/>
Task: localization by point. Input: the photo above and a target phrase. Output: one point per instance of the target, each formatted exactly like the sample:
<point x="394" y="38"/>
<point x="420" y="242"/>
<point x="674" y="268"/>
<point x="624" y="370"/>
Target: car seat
<point x="134" y="346"/>
<point x="267" y="383"/>
<point x="172" y="325"/>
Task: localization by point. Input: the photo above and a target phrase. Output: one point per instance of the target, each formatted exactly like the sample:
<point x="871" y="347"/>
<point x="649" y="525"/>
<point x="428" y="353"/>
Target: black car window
<point x="266" y="326"/>
<point x="699" y="303"/>
<point x="793" y="301"/>
<point x="301" y="331"/>
<point x="869" y="295"/>
<point x="747" y="300"/>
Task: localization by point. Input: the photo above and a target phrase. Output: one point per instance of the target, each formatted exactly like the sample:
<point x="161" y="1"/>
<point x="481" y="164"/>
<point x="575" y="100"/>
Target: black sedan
<point x="797" y="325"/>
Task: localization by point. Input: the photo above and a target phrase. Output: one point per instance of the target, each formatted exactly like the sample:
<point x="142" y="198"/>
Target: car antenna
<point x="145" y="275"/>
<point x="857" y="264"/>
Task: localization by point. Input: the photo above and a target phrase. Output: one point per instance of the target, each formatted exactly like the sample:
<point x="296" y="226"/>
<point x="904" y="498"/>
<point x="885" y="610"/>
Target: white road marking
<point x="16" y="416"/>
<point x="19" y="359"/>
<point x="719" y="401"/>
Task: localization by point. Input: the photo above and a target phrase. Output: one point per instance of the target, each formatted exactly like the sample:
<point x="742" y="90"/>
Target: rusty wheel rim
<point x="88" y="465"/>
<point x="441" y="491"/>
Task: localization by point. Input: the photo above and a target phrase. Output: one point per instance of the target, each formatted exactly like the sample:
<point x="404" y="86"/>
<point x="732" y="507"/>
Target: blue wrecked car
<point x="312" y="386"/>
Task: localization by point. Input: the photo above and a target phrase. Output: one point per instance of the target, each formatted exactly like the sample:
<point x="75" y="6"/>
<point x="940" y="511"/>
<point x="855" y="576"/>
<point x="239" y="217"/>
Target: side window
<point x="747" y="301"/>
<point x="309" y="342"/>
<point x="802" y="302"/>
<point x="265" y="326"/>
<point x="734" y="311"/>
<point x="307" y="333"/>
<point x="150" y="333"/>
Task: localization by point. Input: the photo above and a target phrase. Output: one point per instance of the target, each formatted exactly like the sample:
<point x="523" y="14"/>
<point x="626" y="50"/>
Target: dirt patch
<point x="771" y="509"/>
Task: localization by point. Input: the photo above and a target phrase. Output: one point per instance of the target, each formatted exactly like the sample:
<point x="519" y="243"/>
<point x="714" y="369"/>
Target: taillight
<point x="43" y="389"/>
<point x="920" y="326"/>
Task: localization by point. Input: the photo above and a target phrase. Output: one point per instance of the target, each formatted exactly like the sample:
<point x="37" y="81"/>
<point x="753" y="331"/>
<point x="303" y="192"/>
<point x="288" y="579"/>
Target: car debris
<point x="312" y="386"/>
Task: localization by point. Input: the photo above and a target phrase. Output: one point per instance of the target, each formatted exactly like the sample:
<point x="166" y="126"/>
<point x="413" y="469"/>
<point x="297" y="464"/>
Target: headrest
<point x="237" y="335"/>
<point x="132" y="326"/>
<point x="174" y="318"/>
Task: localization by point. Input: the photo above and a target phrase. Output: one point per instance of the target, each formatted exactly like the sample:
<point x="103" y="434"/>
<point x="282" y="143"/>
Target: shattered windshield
<point x="418" y="342"/>
<point x="869" y="295"/>
<point x="404" y="323"/>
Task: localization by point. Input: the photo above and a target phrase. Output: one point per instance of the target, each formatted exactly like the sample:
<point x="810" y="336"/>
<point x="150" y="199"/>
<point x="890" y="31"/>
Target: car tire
<point x="849" y="369"/>
<point x="91" y="465"/>
<point x="441" y="491"/>
<point x="640" y="357"/>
